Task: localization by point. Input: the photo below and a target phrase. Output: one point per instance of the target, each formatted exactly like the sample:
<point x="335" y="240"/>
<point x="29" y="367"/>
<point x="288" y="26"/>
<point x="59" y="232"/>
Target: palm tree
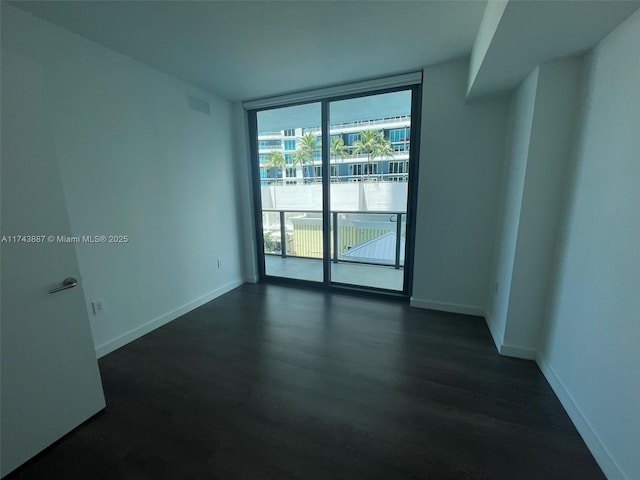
<point x="338" y="148"/>
<point x="384" y="149"/>
<point x="276" y="160"/>
<point x="373" y="143"/>
<point x="307" y="146"/>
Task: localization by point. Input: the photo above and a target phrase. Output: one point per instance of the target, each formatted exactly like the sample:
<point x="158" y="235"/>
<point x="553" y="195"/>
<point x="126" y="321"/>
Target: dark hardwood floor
<point x="273" y="382"/>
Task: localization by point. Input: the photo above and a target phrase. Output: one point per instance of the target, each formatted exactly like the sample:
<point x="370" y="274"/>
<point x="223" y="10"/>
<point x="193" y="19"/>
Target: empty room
<point x="320" y="239"/>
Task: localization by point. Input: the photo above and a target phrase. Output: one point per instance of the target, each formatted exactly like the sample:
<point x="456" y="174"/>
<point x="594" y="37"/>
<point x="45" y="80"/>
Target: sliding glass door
<point x="335" y="190"/>
<point x="369" y="158"/>
<point x="289" y="162"/>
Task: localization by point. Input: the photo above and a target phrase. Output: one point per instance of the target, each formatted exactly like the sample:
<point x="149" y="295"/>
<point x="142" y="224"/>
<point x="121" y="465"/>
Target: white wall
<point x="512" y="187"/>
<point x="550" y="148"/>
<point x="590" y="349"/>
<point x="461" y="155"/>
<point x="490" y="20"/>
<point x="376" y="196"/>
<point x="136" y="161"/>
<point x="539" y="147"/>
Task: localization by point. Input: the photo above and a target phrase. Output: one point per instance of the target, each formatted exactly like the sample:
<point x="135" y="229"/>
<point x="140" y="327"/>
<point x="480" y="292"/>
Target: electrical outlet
<point x="219" y="263"/>
<point x="98" y="307"/>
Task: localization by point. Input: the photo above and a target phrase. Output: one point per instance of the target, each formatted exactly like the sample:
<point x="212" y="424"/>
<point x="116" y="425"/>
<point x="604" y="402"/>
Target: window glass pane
<point x="369" y="191"/>
<point x="289" y="142"/>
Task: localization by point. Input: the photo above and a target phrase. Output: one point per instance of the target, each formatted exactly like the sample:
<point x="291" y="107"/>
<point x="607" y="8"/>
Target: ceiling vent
<point x="198" y="104"/>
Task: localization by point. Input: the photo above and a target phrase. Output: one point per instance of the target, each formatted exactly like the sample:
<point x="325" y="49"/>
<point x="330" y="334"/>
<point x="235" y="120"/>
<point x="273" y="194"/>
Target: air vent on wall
<point x="199" y="105"/>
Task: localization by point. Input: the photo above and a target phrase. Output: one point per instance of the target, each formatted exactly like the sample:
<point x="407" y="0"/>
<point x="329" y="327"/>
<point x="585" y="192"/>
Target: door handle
<point x="68" y="282"/>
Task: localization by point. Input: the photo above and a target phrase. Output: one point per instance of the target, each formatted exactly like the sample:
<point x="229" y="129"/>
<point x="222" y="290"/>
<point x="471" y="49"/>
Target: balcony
<point x="387" y="122"/>
<point x="367" y="247"/>
<point x="311" y="269"/>
<point x="374" y="177"/>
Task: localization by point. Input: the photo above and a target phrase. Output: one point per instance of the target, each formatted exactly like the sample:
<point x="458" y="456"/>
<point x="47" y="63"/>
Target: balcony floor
<point x="350" y="273"/>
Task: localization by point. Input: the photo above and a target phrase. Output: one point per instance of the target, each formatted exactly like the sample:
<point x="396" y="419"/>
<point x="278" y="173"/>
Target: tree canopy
<point x="338" y="148"/>
<point x="373" y="143"/>
<point x="307" y="146"/>
<point x="276" y="160"/>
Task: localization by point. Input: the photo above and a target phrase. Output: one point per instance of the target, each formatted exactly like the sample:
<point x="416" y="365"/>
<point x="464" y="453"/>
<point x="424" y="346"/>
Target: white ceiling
<point x="533" y="32"/>
<point x="243" y="50"/>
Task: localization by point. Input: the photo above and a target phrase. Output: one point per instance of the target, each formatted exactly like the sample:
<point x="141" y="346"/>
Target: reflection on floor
<point x="350" y="273"/>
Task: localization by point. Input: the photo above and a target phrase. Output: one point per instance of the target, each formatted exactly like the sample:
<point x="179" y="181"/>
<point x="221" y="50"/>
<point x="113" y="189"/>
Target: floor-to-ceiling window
<point x="335" y="189"/>
<point x="290" y="148"/>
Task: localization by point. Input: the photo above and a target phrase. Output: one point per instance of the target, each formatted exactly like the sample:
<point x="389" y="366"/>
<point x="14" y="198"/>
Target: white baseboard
<point x="518" y="352"/>
<point x="139" y="331"/>
<point x="447" y="307"/>
<point x="506" y="349"/>
<point x="602" y="455"/>
<point x="497" y="337"/>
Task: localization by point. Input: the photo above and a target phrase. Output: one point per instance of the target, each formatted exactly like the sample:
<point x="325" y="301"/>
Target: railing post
<point x="335" y="237"/>
<point x="283" y="236"/>
<point x="398" y="233"/>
